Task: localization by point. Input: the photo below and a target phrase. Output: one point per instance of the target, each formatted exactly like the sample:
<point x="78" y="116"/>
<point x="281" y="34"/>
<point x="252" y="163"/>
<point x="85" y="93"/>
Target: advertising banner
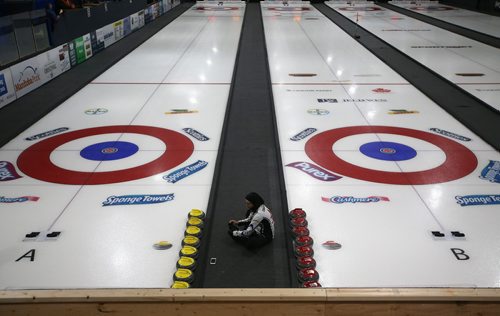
<point x="27" y="76"/>
<point x="7" y="92"/>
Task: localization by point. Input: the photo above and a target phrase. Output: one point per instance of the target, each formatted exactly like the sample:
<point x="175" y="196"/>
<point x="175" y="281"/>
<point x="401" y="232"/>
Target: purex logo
<point x="28" y="77"/>
<point x="138" y="199"/>
<point x="314" y="171"/>
<point x="350" y="199"/>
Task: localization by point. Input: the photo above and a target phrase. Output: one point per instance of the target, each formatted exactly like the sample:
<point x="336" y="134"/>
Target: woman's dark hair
<point x="255" y="199"/>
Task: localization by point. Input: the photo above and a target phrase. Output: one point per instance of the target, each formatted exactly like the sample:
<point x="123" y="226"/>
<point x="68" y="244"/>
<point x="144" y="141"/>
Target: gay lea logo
<point x="350" y="199"/>
<point x="184" y="172"/>
<point x="138" y="199"/>
<point x="314" y="171"/>
<point x="470" y="200"/>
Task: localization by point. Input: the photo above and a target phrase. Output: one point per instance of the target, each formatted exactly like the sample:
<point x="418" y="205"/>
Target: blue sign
<point x="184" y="172"/>
<point x="470" y="200"/>
<point x="3" y="85"/>
<point x="491" y="172"/>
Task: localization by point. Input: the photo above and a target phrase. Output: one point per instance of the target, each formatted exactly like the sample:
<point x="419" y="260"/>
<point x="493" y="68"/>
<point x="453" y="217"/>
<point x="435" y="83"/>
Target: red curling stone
<point x="297" y="212"/>
<point x="306" y="263"/>
<point x="311" y="284"/>
<point x="300" y="231"/>
<point x="304" y="251"/>
<point x="308" y="275"/>
<point x="304" y="241"/>
<point x="299" y="221"/>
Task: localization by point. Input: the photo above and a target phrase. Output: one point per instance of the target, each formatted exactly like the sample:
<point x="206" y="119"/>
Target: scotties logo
<point x="450" y="134"/>
<point x="197" y="135"/>
<point x="303" y="134"/>
<point x="28" y="77"/>
<point x="21" y="199"/>
<point x="470" y="200"/>
<point x="184" y="172"/>
<point x="491" y="172"/>
<point x="138" y="199"/>
<point x="46" y="134"/>
<point x="97" y="111"/>
<point x="314" y="171"/>
<point x="349" y="199"/>
<point x="7" y="171"/>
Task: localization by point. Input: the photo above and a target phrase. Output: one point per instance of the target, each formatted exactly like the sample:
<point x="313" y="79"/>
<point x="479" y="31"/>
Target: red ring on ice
<point x="460" y="161"/>
<point x="35" y="161"/>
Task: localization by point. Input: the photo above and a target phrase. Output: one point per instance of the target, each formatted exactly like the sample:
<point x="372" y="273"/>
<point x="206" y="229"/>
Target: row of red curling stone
<point x="184" y="275"/>
<point x="303" y="250"/>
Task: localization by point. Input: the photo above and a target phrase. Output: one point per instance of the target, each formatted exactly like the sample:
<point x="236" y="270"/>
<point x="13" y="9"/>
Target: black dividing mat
<point x="24" y="112"/>
<point x="470" y="111"/>
<point x="249" y="160"/>
<point x="475" y="35"/>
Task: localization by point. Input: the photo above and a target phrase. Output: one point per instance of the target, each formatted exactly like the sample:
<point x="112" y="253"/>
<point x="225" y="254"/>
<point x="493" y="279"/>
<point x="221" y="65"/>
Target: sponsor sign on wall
<point x="118" y="30"/>
<point x="108" y="33"/>
<point x="27" y="76"/>
<point x="97" y="40"/>
<point x="83" y="48"/>
<point x="142" y="20"/>
<point x="134" y="21"/>
<point x="54" y="62"/>
<point x="127" y="28"/>
<point x="7" y="92"/>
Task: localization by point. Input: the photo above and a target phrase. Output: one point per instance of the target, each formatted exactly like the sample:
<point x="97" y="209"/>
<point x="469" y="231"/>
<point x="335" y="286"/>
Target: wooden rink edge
<point x="318" y="301"/>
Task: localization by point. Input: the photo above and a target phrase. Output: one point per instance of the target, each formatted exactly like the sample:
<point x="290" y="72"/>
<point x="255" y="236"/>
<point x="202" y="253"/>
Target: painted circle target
<point x="432" y="8"/>
<point x="459" y="162"/>
<point x="35" y="161"/>
<point x="289" y="9"/>
<point x="360" y="9"/>
<point x="220" y="8"/>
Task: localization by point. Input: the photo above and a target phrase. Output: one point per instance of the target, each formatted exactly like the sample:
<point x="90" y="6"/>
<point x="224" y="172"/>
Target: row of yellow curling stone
<point x="184" y="275"/>
<point x="303" y="250"/>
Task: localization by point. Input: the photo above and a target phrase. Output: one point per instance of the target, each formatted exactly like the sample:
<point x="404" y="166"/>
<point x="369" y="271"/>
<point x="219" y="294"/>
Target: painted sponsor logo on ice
<point x="8" y="172"/>
<point x="48" y="133"/>
<point x="469" y="200"/>
<point x="350" y="199"/>
<point x="327" y="100"/>
<point x="28" y="77"/>
<point x="97" y="111"/>
<point x="197" y="135"/>
<point x="303" y="134"/>
<point x="402" y="111"/>
<point x="184" y="172"/>
<point x="364" y="100"/>
<point x="318" y="112"/>
<point x="3" y="85"/>
<point x="381" y="90"/>
<point x="181" y="111"/>
<point x="138" y="199"/>
<point x="314" y="171"/>
<point x="450" y="134"/>
<point x="491" y="172"/>
<point x="21" y="199"/>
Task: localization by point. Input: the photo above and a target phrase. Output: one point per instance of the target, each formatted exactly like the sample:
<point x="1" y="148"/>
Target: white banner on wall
<point x="27" y="76"/>
<point x="7" y="92"/>
<point x="54" y="62"/>
<point x="108" y="35"/>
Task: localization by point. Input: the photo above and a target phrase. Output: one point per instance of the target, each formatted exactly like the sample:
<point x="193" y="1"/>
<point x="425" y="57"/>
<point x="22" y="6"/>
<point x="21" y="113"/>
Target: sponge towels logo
<point x="350" y="199"/>
<point x="470" y="200"/>
<point x="184" y="172"/>
<point x="46" y="134"/>
<point x="303" y="134"/>
<point x="138" y="199"/>
<point x="195" y="134"/>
